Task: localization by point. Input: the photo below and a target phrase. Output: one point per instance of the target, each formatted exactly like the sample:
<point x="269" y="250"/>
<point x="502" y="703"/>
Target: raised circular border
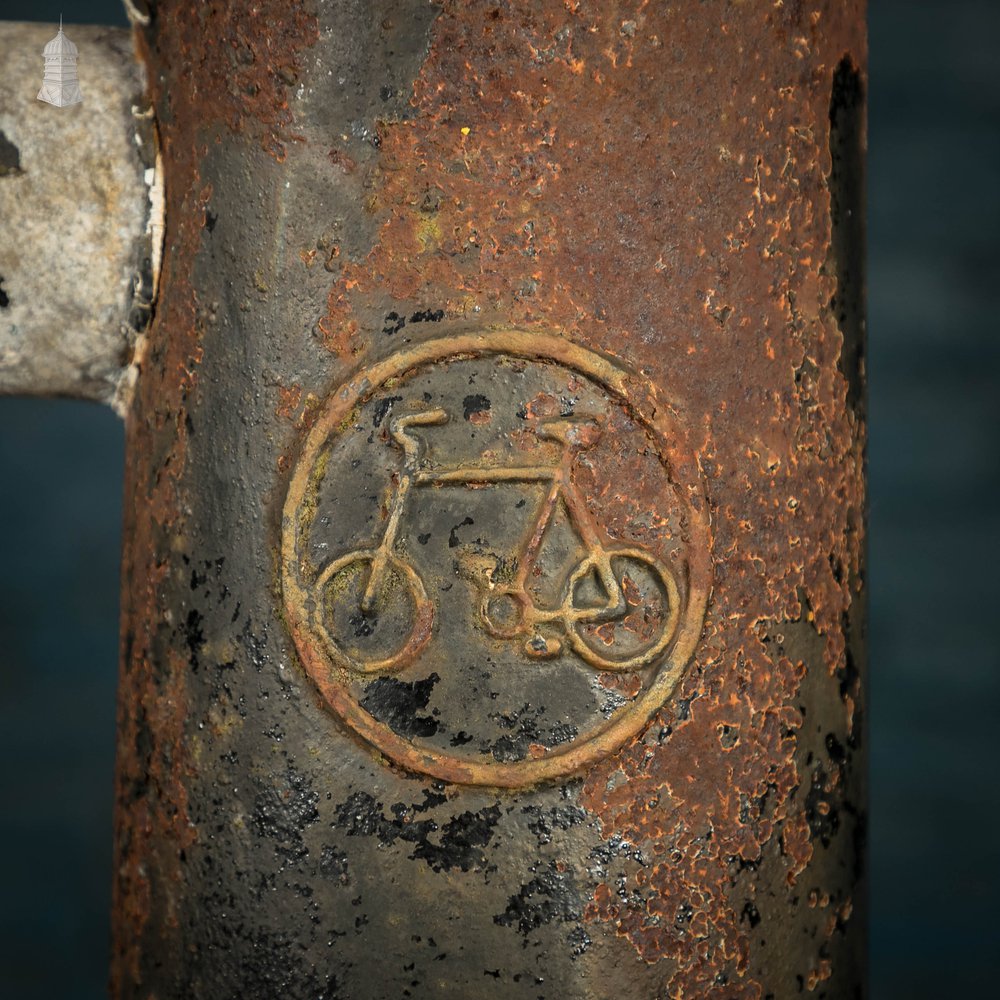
<point x="638" y="397"/>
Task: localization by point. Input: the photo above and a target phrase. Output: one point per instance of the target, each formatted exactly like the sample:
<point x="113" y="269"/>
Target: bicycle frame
<point x="561" y="489"/>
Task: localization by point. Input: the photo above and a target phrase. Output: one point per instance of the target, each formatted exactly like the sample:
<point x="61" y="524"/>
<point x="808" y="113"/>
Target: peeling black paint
<point x="543" y="822"/>
<point x="283" y="811"/>
<point x="397" y="703"/>
<point x="525" y="729"/>
<point x="382" y="408"/>
<point x="550" y="895"/>
<point x="474" y="404"/>
<point x="453" y="539"/>
<point x="457" y="844"/>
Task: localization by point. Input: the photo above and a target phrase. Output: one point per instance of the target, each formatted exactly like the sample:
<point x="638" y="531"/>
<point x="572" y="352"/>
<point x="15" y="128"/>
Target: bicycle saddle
<point x="577" y="432"/>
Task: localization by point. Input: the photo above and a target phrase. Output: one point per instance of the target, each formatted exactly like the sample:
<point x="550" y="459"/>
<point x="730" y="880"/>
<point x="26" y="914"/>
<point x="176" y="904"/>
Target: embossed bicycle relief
<point x="494" y="557"/>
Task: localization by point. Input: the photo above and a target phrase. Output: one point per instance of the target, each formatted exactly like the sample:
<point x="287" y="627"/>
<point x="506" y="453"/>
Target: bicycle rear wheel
<point x="646" y="626"/>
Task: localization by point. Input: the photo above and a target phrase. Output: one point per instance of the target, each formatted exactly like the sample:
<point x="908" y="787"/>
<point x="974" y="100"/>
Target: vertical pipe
<point x="645" y="217"/>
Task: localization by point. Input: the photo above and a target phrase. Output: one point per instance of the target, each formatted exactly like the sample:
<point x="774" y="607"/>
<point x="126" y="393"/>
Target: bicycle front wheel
<point x="387" y="637"/>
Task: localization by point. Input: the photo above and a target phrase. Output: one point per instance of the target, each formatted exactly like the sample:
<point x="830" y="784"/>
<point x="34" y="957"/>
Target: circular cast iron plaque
<point x="495" y="557"/>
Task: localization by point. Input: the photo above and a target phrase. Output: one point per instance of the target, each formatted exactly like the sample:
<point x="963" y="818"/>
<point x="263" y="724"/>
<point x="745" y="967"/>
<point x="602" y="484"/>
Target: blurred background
<point x="934" y="463"/>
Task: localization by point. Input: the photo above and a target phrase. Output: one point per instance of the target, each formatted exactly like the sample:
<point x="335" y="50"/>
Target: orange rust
<point x="239" y="61"/>
<point x="627" y="684"/>
<point x="289" y="397"/>
<point x="338" y="339"/>
<point x="583" y="183"/>
<point x="542" y="407"/>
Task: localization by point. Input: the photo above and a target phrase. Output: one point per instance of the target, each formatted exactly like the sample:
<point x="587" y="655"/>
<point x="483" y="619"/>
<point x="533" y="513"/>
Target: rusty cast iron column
<point x="493" y="619"/>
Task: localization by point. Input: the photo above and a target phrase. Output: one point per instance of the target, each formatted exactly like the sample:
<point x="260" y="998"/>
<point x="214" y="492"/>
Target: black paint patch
<point x="393" y="324"/>
<point x="4" y="297"/>
<point x="835" y="749"/>
<point x="282" y="812"/>
<point x="524" y="730"/>
<point x="461" y="842"/>
<point x="194" y="637"/>
<point x="396" y="703"/>
<point x="359" y="816"/>
<point x="10" y="157"/>
<point x="543" y="822"/>
<point x="475" y="404"/>
<point x="363" y="625"/>
<point x="394" y="321"/>
<point x="382" y="407"/>
<point x="552" y="895"/>
<point x="750" y="913"/>
<point x="453" y="539"/>
<point x="427" y="316"/>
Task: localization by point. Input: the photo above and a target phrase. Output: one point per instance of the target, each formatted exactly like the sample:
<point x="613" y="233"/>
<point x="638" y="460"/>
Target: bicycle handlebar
<point x="410" y="444"/>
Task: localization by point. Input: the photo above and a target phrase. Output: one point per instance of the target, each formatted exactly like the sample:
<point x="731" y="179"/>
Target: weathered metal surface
<point x="553" y="219"/>
<point x="76" y="250"/>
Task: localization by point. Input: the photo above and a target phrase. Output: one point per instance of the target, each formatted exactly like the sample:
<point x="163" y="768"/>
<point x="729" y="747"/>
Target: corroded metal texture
<point x="492" y="598"/>
<point x="76" y="250"/>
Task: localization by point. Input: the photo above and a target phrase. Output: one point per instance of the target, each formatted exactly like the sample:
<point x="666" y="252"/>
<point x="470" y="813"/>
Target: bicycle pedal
<point x="541" y="648"/>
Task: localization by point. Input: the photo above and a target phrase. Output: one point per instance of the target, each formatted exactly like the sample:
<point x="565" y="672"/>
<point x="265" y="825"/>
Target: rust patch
<point x="289" y="397"/>
<point x="239" y="60"/>
<point x="584" y="181"/>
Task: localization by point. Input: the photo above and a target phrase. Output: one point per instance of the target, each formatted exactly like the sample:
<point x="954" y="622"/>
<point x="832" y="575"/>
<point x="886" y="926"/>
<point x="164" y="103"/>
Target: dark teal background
<point x="934" y="352"/>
